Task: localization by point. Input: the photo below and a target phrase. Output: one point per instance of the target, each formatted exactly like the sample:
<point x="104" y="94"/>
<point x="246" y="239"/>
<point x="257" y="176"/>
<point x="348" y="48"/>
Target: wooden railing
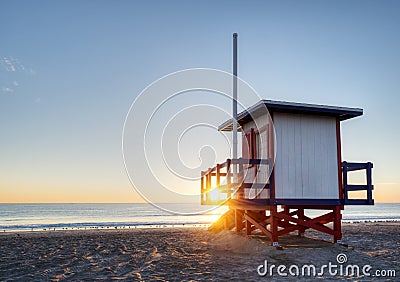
<point x="348" y="167"/>
<point x="221" y="183"/>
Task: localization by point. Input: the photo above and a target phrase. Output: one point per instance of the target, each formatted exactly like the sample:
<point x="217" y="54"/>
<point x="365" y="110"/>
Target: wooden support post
<point x="238" y="220"/>
<point x="248" y="226"/>
<point x="208" y="185"/>
<point x="274" y="226"/>
<point x="218" y="175"/>
<point x="339" y="160"/>
<point x="202" y="189"/>
<point x="228" y="177"/>
<point x="337" y="224"/>
<point x="346" y="196"/>
<point x="369" y="184"/>
<point x="300" y="215"/>
<point x="218" y="180"/>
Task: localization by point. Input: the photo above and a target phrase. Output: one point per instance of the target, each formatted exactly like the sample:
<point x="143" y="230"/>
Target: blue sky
<point x="71" y="69"/>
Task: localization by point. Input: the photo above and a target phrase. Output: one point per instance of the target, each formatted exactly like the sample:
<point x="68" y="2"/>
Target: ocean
<point x="36" y="217"/>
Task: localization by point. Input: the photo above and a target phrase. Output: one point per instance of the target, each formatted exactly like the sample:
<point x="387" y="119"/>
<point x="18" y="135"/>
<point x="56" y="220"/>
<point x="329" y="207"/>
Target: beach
<point x="191" y="254"/>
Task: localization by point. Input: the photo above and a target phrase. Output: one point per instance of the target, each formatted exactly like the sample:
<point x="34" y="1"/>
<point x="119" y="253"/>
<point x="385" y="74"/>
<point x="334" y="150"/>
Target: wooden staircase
<point x="225" y="222"/>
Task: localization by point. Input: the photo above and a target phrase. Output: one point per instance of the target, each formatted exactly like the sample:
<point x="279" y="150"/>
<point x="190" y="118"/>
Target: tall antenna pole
<point x="234" y="103"/>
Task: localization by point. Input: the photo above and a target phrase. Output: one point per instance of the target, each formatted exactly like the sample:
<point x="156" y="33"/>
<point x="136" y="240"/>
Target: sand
<point x="185" y="254"/>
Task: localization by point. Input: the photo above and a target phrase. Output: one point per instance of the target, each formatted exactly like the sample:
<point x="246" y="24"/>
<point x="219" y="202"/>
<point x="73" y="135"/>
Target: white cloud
<point x="7" y="89"/>
<point x="12" y="64"/>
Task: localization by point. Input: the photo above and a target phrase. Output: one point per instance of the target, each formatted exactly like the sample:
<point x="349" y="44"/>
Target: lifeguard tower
<point x="291" y="162"/>
<point x="283" y="172"/>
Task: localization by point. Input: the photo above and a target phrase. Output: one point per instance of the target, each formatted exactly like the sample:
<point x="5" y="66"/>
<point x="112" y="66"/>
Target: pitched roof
<point x="258" y="109"/>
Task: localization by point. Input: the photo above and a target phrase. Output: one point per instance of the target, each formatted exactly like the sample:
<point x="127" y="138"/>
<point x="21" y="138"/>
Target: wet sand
<point x="185" y="254"/>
